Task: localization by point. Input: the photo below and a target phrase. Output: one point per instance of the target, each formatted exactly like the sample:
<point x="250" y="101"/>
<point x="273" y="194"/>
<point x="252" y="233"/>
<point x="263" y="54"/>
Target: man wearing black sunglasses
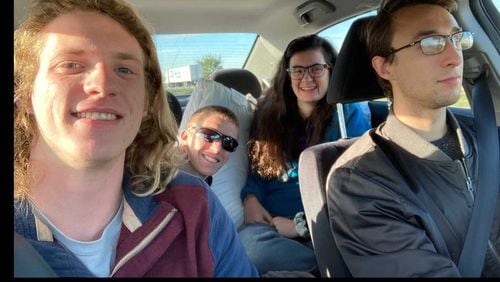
<point x="400" y="198"/>
<point x="209" y="137"/>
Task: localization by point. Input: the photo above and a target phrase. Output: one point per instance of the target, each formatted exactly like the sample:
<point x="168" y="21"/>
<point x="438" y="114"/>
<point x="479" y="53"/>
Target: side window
<point x="336" y="33"/>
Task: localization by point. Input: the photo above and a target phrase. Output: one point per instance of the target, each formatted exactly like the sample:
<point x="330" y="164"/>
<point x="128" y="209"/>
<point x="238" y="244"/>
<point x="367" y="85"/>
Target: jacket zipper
<point x="468" y="180"/>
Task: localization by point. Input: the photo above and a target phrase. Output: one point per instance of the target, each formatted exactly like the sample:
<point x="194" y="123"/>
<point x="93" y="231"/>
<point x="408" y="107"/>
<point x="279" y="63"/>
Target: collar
<point x="402" y="135"/>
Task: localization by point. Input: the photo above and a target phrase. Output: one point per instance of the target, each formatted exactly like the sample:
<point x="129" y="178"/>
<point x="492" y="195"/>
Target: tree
<point x="210" y="63"/>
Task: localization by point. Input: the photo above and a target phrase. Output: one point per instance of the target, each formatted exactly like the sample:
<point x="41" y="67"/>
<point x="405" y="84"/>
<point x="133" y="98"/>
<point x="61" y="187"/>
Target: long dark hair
<point x="277" y="127"/>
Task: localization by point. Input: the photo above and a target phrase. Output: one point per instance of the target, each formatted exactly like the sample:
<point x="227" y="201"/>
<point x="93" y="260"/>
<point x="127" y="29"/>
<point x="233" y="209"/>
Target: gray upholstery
<point x="314" y="165"/>
<point x="241" y="80"/>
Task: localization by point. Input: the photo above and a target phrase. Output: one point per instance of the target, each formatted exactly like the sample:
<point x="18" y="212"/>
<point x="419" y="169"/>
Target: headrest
<point x="353" y="78"/>
<point x="241" y="80"/>
<point x="175" y="106"/>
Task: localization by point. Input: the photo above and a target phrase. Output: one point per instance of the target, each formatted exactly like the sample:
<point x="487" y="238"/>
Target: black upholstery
<point x="241" y="80"/>
<point x="175" y="107"/>
<point x="353" y="78"/>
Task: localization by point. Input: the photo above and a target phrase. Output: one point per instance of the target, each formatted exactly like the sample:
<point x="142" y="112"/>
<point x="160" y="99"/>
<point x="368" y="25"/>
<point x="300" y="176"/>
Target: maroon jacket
<point x="181" y="232"/>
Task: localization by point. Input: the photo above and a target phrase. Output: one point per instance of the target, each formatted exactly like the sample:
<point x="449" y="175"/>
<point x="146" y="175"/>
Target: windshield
<point x="185" y="58"/>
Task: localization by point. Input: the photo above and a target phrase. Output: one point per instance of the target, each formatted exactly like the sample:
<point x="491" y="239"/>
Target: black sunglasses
<point x="211" y="135"/>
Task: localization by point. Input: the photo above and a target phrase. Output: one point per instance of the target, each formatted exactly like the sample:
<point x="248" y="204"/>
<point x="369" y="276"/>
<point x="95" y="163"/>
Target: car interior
<point x="353" y="80"/>
<point x="241" y="80"/>
<point x="277" y="22"/>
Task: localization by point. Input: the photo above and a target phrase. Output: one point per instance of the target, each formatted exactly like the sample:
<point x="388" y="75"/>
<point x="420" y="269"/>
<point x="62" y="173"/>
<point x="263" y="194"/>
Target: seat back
<point x="175" y="107"/>
<point x="314" y="164"/>
<point x="352" y="80"/>
<point x="241" y="80"/>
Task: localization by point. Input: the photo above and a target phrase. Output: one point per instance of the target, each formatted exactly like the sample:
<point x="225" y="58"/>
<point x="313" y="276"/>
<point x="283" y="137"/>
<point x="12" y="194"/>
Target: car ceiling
<point x="275" y="20"/>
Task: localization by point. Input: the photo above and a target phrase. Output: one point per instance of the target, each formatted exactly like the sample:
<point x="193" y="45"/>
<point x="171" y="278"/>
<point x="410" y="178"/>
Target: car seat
<point x="241" y="80"/>
<point x="175" y="107"/>
<point x="352" y="80"/>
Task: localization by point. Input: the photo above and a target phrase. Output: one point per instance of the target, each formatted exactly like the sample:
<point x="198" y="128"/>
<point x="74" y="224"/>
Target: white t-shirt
<point x="99" y="255"/>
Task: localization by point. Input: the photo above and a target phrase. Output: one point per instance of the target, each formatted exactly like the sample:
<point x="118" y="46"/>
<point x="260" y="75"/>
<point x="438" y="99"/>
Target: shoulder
<point x="364" y="164"/>
<point x="190" y="192"/>
<point x="186" y="192"/>
<point x="364" y="171"/>
<point x="186" y="179"/>
<point x="357" y="108"/>
<point x="358" y="153"/>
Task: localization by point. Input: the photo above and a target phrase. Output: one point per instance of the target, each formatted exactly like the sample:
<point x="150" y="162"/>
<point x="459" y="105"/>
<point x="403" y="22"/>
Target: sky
<point x="178" y="50"/>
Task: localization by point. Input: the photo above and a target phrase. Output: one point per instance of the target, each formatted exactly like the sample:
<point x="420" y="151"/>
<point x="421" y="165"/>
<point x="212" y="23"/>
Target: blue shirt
<point x="281" y="196"/>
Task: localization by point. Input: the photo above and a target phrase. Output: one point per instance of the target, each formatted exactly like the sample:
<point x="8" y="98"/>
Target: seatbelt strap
<point x="28" y="262"/>
<point x="472" y="257"/>
<point x="341" y="117"/>
<point x="447" y="236"/>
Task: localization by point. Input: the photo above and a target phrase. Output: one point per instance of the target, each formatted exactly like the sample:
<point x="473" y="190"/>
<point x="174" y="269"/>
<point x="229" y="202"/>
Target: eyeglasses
<point x="211" y="135"/>
<point x="435" y="44"/>
<point x="316" y="70"/>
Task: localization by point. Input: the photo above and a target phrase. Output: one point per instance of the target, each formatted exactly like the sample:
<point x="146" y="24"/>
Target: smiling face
<point x="309" y="90"/>
<point x="89" y="92"/>
<point x="423" y="82"/>
<point x="207" y="158"/>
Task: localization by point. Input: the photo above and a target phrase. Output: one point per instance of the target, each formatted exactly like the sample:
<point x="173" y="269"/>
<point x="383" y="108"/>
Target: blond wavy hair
<point x="153" y="158"/>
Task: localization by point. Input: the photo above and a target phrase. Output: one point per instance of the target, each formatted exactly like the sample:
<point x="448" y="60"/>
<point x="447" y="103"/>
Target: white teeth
<point x="210" y="159"/>
<point x="307" y="88"/>
<point x="97" y="116"/>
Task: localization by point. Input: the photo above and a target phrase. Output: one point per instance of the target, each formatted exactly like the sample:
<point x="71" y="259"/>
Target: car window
<point x="185" y="58"/>
<point x="336" y="33"/>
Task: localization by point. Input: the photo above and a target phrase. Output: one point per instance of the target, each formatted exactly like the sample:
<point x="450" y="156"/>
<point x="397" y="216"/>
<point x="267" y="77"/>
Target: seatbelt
<point x="27" y="261"/>
<point x="472" y="256"/>
<point x="342" y="126"/>
<point x="446" y="236"/>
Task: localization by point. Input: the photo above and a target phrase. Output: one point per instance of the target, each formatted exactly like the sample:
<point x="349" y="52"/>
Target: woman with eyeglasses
<point x="209" y="137"/>
<point x="292" y="115"/>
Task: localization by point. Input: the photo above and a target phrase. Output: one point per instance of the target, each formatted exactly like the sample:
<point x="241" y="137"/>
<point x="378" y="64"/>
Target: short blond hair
<point x="213" y="109"/>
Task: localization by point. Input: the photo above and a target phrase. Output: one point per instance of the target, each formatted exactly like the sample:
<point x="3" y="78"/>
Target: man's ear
<point x="184" y="137"/>
<point x="382" y="66"/>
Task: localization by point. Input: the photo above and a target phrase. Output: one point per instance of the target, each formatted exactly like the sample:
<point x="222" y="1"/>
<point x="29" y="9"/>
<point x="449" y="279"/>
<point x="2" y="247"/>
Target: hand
<point x="254" y="211"/>
<point x="285" y="226"/>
